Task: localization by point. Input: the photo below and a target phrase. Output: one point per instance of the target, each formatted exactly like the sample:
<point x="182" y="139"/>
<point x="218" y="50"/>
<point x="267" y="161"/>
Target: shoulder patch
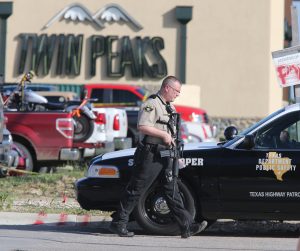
<point x="153" y="96"/>
<point x="148" y="108"/>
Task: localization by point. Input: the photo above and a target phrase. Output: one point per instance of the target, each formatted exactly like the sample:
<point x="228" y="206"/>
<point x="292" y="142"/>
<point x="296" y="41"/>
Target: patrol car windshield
<point x="246" y="131"/>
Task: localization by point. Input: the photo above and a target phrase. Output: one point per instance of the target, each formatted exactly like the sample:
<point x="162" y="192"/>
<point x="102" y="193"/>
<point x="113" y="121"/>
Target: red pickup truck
<point x="124" y="95"/>
<point x="48" y="133"/>
<point x="46" y="138"/>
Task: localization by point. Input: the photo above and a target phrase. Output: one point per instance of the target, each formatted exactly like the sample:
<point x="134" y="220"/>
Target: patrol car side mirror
<point x="248" y="142"/>
<point x="230" y="132"/>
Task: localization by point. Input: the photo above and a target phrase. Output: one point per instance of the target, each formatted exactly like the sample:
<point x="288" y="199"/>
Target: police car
<point x="253" y="175"/>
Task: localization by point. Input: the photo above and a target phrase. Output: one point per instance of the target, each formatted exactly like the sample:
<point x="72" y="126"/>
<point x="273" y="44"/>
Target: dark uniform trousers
<point x="148" y="167"/>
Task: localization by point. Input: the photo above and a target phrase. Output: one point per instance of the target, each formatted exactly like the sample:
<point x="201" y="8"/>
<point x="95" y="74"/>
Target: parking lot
<point x="18" y="232"/>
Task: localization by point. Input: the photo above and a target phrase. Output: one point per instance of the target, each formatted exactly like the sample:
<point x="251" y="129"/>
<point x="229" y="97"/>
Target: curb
<point x="12" y="218"/>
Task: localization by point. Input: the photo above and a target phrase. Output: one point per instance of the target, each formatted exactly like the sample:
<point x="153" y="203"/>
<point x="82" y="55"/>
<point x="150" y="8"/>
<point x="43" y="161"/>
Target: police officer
<point x="153" y="132"/>
<point x="285" y="140"/>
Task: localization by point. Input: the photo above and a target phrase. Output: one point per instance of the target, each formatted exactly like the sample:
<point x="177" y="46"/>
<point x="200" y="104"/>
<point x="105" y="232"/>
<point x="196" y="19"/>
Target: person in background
<point x="285" y="139"/>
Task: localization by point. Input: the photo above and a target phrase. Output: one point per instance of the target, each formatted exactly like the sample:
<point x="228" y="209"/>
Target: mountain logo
<point x="115" y="13"/>
<point x="109" y="13"/>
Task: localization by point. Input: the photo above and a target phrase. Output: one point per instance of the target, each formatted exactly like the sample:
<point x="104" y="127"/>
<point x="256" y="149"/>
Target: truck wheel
<point x="152" y="212"/>
<point x="27" y="154"/>
<point x="3" y="173"/>
<point x="83" y="128"/>
<point x="47" y="169"/>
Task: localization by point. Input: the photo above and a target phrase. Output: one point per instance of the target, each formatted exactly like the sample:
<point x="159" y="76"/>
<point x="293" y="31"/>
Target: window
<point x="125" y="97"/>
<point x="283" y="133"/>
<point x="98" y="94"/>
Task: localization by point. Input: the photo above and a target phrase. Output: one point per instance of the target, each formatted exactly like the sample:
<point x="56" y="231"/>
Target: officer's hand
<point x="181" y="164"/>
<point x="168" y="140"/>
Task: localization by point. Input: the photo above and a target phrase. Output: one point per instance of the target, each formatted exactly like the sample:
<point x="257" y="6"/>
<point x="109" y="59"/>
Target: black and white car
<point x="253" y="175"/>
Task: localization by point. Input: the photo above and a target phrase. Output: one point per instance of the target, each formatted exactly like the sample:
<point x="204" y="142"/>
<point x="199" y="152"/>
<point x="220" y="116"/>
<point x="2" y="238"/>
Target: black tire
<point x="47" y="169"/>
<point x="161" y="223"/>
<point x="210" y="223"/>
<point x="29" y="162"/>
<point x="3" y="173"/>
<point x="83" y="128"/>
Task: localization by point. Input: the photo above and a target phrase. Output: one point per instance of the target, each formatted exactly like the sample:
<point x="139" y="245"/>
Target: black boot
<point x="120" y="230"/>
<point x="193" y="229"/>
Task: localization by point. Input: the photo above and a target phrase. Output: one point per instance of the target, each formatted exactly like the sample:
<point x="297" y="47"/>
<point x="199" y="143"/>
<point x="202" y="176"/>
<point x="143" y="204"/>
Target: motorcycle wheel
<point x="152" y="212"/>
<point x="83" y="129"/>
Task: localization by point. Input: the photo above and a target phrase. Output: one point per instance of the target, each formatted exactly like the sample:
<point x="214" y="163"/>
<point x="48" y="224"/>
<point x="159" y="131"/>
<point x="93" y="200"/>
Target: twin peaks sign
<point x="61" y="54"/>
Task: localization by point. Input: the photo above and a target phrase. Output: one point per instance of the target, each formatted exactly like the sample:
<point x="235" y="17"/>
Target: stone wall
<point x="240" y="123"/>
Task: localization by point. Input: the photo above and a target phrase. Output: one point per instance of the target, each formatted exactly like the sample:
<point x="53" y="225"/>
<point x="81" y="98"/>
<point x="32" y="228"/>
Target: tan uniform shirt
<point x="152" y="111"/>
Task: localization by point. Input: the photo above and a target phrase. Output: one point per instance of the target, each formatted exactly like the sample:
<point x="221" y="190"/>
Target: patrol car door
<point x="265" y="179"/>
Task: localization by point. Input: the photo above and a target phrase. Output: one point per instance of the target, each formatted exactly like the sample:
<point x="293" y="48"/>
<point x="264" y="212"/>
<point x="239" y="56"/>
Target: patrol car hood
<point x="190" y="146"/>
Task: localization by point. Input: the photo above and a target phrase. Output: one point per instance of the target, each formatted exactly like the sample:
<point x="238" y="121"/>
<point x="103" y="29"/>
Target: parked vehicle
<point x="83" y="115"/>
<point x="124" y="95"/>
<point x="17" y="162"/>
<point x="110" y="125"/>
<point x="253" y="175"/>
<point x="109" y="129"/>
<point x="24" y="99"/>
<point x="7" y="89"/>
<point x="10" y="155"/>
<point x="46" y="137"/>
<point x="116" y="125"/>
<point x="200" y="132"/>
<point x="130" y="97"/>
<point x="191" y="132"/>
<point x="59" y="97"/>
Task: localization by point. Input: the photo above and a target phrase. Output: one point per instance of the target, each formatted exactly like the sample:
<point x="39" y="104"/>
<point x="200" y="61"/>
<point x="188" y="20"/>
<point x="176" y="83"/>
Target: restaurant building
<point x="221" y="50"/>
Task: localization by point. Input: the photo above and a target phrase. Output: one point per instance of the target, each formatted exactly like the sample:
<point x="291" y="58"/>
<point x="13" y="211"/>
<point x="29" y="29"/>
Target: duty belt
<point x="152" y="140"/>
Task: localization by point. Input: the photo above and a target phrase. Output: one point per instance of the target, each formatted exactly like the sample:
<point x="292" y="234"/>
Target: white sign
<point x="287" y="66"/>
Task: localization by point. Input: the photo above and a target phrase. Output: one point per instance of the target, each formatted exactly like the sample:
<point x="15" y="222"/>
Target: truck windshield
<point x="143" y="92"/>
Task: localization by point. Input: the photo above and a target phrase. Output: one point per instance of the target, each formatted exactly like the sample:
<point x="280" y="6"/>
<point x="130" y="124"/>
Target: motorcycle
<point x="26" y="100"/>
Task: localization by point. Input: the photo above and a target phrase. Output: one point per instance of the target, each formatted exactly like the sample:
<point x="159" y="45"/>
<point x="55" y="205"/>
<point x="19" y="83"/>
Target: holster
<point x="139" y="154"/>
<point x="160" y="148"/>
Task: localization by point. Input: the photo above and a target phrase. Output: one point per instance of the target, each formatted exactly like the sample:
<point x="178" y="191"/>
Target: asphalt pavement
<point x="40" y="231"/>
<point x="223" y="227"/>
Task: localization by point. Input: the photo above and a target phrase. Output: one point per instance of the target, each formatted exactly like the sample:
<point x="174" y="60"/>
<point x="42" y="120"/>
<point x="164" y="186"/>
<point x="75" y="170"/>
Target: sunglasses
<point x="178" y="91"/>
